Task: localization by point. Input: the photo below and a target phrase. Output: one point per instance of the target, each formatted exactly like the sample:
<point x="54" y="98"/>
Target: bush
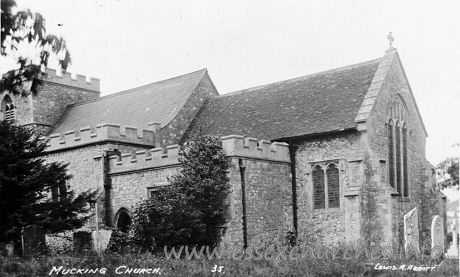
<point x="187" y="211"/>
<point x="120" y="242"/>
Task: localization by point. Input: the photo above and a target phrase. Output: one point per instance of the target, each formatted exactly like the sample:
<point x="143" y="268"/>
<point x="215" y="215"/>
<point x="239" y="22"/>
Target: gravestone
<point x="33" y="239"/>
<point x="101" y="240"/>
<point x="411" y="234"/>
<point x="7" y="249"/>
<point x="82" y="240"/>
<point x="437" y="236"/>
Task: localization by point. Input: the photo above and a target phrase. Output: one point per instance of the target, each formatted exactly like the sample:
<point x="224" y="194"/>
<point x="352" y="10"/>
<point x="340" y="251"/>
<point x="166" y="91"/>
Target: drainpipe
<point x="108" y="183"/>
<point x="243" y="200"/>
<point x="292" y="151"/>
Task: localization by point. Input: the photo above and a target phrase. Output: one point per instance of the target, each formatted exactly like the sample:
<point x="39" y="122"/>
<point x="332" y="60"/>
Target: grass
<point x="42" y="265"/>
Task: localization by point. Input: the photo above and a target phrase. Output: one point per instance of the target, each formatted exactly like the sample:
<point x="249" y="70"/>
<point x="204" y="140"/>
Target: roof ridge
<point x="193" y="90"/>
<point x="123" y="92"/>
<point x="302" y="77"/>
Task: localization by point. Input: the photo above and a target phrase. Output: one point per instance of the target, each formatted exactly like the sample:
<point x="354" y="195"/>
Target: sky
<point x="248" y="43"/>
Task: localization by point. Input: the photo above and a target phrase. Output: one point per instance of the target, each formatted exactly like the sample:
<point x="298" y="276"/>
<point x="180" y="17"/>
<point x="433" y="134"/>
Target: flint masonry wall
<point x="267" y="190"/>
<point x="23" y="111"/>
<point x="330" y="225"/>
<point x="267" y="176"/>
<point x="174" y="131"/>
<point x="43" y="109"/>
<point x="58" y="91"/>
<point x="79" y="148"/>
<point x="136" y="173"/>
<point x="392" y="207"/>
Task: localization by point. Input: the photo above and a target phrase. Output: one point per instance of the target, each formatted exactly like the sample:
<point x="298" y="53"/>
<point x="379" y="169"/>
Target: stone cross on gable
<point x="391" y="39"/>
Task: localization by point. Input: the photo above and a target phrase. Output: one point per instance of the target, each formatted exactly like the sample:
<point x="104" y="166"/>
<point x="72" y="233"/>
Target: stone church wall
<point x="131" y="188"/>
<point x="261" y="175"/>
<point x="137" y="173"/>
<point x="43" y="109"/>
<point x="268" y="201"/>
<point x="393" y="207"/>
<point x="54" y="94"/>
<point x="268" y="196"/>
<point x="330" y="225"/>
<point x="172" y="132"/>
<point x="52" y="99"/>
<point x="23" y="106"/>
<point x="87" y="174"/>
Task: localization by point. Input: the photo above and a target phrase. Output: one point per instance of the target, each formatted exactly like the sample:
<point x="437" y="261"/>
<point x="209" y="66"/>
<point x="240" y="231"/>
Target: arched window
<point x="326" y="185"/>
<point x="8" y="109"/>
<point x="398" y="169"/>
<point x="332" y="174"/>
<point x="405" y="167"/>
<point x="398" y="157"/>
<point x="318" y="187"/>
<point x="391" y="154"/>
<point x="123" y="220"/>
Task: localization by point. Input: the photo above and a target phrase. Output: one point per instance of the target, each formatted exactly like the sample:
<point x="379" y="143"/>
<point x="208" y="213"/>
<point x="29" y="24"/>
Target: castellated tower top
<point x="65" y="78"/>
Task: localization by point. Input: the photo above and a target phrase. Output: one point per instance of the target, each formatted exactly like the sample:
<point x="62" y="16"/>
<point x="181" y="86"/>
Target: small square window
<point x="152" y="191"/>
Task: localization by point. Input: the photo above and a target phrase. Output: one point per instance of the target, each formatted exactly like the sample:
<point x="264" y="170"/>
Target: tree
<point x="188" y="210"/>
<point x="27" y="27"/>
<point x="26" y="181"/>
<point x="447" y="171"/>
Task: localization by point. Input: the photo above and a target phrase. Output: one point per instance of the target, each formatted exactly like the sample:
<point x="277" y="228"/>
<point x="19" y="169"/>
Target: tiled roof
<point x="318" y="103"/>
<point x="157" y="102"/>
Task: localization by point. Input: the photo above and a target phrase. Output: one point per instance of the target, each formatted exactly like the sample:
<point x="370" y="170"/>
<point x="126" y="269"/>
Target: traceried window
<point x="326" y="186"/>
<point x="332" y="174"/>
<point x="318" y="187"/>
<point x="398" y="170"/>
<point x="8" y="109"/>
<point x="391" y="154"/>
<point x="398" y="156"/>
<point x="405" y="167"/>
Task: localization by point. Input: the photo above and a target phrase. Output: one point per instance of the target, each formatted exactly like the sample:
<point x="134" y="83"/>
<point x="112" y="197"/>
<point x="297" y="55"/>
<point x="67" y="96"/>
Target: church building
<point x="334" y="156"/>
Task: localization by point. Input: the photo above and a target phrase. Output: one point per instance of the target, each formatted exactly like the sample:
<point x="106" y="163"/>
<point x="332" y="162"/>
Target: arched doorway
<point x="123" y="220"/>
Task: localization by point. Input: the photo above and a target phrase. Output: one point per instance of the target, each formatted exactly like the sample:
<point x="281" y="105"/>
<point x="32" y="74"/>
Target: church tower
<point x="54" y="93"/>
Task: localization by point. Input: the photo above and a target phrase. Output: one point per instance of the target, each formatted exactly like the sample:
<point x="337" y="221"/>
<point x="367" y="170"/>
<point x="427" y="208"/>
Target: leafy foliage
<point x="25" y="182"/>
<point x="187" y="211"/>
<point x="121" y="242"/>
<point x="447" y="171"/>
<point x="27" y="27"/>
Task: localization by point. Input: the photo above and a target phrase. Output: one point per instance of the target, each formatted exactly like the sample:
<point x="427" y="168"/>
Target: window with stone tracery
<point x="326" y="185"/>
<point x="318" y="187"/>
<point x="398" y="171"/>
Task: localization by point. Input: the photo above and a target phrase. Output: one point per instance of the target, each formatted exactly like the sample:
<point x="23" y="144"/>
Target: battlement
<point x="234" y="146"/>
<point x="247" y="147"/>
<point x="65" y="78"/>
<point x="102" y="132"/>
<point x="152" y="158"/>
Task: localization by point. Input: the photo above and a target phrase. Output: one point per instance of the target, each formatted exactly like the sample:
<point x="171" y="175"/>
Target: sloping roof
<point x="157" y="102"/>
<point x="318" y="103"/>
